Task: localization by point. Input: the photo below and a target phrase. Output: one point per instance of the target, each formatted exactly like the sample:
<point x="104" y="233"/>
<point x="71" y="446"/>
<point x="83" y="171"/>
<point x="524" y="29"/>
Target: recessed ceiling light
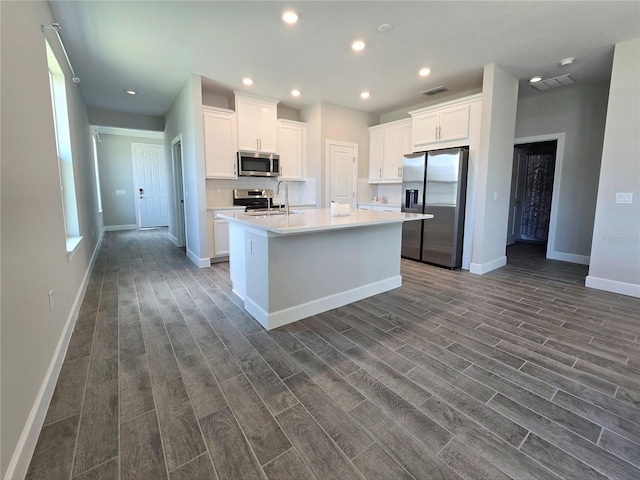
<point x="247" y="81"/>
<point x="385" y="27"/>
<point x="295" y="93"/>
<point x="358" y="45"/>
<point x="424" y="72"/>
<point x="535" y="79"/>
<point x="130" y="92"/>
<point x="567" y="61"/>
<point x="364" y="95"/>
<point x="290" y="17"/>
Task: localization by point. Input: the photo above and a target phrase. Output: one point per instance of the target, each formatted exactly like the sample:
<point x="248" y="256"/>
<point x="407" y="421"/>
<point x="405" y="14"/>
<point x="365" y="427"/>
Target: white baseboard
<point x="19" y="463"/>
<point x="116" y="228"/>
<point x="613" y="286"/>
<point x="569" y="257"/>
<point x="297" y="312"/>
<point x="198" y="262"/>
<point x="482" y="268"/>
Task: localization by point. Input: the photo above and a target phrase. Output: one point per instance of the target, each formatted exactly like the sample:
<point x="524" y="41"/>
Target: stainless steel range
<point x="254" y="199"/>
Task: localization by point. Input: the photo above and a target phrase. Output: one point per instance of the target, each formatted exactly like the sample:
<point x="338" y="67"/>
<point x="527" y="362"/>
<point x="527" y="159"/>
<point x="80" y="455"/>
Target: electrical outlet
<point x="120" y="192"/>
<point x="51" y="300"/>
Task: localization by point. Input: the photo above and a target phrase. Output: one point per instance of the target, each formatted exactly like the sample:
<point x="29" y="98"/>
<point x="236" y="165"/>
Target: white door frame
<point x="555" y="196"/>
<point x="354" y="199"/>
<point x="180" y="215"/>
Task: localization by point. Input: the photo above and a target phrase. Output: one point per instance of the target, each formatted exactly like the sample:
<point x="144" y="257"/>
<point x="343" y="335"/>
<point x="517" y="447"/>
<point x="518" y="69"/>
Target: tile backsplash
<point x="220" y="192"/>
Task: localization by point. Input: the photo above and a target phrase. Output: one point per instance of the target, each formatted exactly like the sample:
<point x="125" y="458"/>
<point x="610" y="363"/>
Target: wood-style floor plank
<point x="180" y="433"/>
<point x="141" y="449"/>
<point x="98" y="432"/>
<point x="415" y="458"/>
<point x="53" y="455"/>
<point x="262" y="431"/>
<point x="232" y="455"/>
<point x="318" y="451"/>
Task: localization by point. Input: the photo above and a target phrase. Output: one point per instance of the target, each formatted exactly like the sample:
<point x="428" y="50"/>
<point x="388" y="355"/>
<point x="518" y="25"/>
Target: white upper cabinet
<point x="257" y="123"/>
<point x="376" y="154"/>
<point x="220" y="143"/>
<point x="442" y="126"/>
<point x="292" y="147"/>
<point x="387" y="145"/>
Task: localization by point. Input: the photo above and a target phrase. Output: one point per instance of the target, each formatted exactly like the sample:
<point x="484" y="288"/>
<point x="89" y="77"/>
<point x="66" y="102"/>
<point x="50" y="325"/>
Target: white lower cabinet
<point x="218" y="233"/>
<point x="220" y="237"/>
<point x="381" y="208"/>
<point x="378" y="208"/>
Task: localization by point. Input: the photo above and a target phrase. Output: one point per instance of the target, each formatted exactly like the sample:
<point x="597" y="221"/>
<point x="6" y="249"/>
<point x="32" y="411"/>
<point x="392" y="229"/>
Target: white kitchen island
<point x="286" y="268"/>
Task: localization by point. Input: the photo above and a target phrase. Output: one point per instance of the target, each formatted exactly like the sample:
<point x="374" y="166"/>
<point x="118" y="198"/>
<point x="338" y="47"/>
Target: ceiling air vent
<point x="434" y="91"/>
<point x="554" y="82"/>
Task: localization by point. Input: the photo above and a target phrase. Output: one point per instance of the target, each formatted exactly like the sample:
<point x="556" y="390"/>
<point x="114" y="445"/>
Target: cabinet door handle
<point x="436" y="134"/>
<point x="440" y="132"/>
<point x="380" y="173"/>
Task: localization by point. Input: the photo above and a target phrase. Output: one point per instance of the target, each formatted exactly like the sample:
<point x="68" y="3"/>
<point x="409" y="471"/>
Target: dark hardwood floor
<point x="521" y="373"/>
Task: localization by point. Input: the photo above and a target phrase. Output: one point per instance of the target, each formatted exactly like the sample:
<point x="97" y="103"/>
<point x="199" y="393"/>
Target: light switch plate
<point x="624" y="197"/>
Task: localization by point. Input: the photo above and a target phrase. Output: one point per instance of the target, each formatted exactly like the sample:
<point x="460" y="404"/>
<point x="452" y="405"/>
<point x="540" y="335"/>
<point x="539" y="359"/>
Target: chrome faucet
<point x="286" y="195"/>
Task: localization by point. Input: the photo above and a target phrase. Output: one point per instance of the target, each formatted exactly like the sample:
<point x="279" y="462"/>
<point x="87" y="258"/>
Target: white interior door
<point x="151" y="185"/>
<point x="342" y="163"/>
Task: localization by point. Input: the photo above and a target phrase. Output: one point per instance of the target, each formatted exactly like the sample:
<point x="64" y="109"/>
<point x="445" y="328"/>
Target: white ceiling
<point x="152" y="46"/>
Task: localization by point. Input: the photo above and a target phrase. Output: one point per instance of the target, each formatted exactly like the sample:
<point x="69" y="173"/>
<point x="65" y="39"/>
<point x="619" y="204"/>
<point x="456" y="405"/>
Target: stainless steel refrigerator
<point x="435" y="182"/>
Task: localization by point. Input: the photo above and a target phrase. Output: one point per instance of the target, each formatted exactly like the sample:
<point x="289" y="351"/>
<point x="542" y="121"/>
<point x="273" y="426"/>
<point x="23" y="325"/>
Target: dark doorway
<point x="531" y="192"/>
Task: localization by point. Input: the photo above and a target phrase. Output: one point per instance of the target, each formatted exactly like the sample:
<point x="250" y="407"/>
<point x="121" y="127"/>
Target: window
<point x="65" y="160"/>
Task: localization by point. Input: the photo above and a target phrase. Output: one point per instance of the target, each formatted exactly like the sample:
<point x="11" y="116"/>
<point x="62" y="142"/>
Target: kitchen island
<point x="288" y="267"/>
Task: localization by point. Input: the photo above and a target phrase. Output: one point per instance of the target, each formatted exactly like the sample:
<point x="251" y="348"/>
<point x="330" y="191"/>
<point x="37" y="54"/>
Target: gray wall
<point x="185" y="117"/>
<point x="34" y="257"/>
<point x="615" y="251"/>
<point x="112" y="118"/>
<point x="333" y="122"/>
<point x="115" y="161"/>
<point x="499" y="103"/>
<point x="580" y="112"/>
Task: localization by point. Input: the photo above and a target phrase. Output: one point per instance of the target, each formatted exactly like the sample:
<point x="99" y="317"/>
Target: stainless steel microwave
<point x="258" y="164"/>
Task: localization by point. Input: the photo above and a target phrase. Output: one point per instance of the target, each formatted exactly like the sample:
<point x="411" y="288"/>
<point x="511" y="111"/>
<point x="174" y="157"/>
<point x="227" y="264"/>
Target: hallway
<point x="521" y="373"/>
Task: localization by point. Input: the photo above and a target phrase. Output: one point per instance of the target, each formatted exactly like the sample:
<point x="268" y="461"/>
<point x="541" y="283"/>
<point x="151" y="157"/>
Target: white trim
<point x="569" y="257"/>
<point x="73" y="243"/>
<point x="180" y="219"/>
<point x="297" y="312"/>
<point x="198" y="262"/>
<point x="128" y="132"/>
<point x="19" y="463"/>
<point x="116" y="228"/>
<point x="622" y="288"/>
<point x="482" y="268"/>
<point x="552" y="253"/>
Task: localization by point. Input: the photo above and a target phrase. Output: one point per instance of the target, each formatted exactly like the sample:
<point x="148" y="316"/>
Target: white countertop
<point x="315" y="220"/>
